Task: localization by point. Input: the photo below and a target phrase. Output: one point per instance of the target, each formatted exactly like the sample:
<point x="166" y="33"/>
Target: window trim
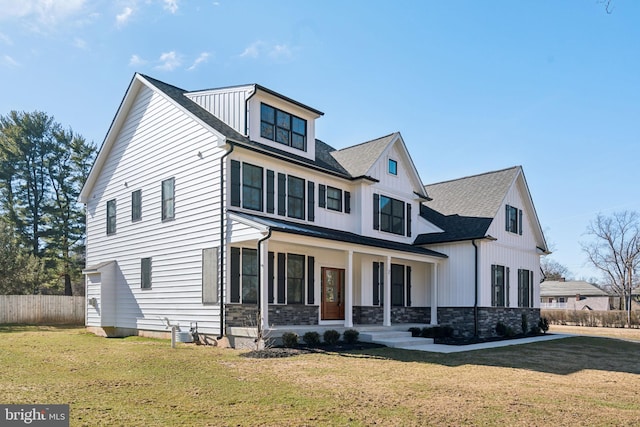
<point x="289" y="288"/>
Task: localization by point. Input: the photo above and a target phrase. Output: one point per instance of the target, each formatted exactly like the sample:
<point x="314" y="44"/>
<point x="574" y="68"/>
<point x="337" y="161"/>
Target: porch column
<point x="348" y="292"/>
<point x="434" y="294"/>
<point x="264" y="284"/>
<point x="386" y="317"/>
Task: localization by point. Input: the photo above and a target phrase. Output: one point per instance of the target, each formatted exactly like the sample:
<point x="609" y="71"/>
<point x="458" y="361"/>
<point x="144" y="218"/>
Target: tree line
<point x="43" y="166"/>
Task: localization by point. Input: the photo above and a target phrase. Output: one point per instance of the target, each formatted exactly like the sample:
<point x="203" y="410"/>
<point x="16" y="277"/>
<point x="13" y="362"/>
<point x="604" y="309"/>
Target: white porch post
<point x="264" y="284"/>
<point x="386" y="317"/>
<point x="434" y="294"/>
<point x="348" y="297"/>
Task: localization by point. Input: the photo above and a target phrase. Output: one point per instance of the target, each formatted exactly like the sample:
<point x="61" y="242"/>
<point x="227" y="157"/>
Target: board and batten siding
<point x="158" y="141"/>
<point x="229" y="105"/>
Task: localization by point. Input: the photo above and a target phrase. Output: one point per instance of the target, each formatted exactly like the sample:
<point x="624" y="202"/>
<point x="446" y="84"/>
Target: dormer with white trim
<point x="264" y="116"/>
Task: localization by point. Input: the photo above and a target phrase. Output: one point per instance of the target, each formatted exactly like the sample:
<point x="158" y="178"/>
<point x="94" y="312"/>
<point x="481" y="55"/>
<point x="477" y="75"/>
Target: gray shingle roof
<point x="332" y="234"/>
<point x="552" y="288"/>
<point x="465" y="207"/>
<point x="358" y="159"/>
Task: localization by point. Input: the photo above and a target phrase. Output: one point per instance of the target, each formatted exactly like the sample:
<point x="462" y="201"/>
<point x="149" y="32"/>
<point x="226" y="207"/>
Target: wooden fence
<point x="42" y="309"/>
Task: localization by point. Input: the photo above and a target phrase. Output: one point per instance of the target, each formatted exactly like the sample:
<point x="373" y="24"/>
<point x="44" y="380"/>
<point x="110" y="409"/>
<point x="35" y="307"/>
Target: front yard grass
<point x="136" y="382"/>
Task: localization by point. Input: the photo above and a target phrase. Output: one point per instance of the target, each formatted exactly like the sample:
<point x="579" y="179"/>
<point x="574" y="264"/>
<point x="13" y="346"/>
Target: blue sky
<point x="473" y="86"/>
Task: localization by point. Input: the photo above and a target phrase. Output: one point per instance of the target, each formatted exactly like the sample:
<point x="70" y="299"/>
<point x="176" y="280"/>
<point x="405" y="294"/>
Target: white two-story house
<point x="222" y="207"/>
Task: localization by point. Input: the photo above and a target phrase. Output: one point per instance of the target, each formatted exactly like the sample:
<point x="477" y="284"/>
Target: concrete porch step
<point x="395" y="339"/>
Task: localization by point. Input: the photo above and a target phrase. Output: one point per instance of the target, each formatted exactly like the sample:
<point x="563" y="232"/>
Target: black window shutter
<point x="531" y="289"/>
<point x="282" y="194"/>
<point x="322" y="196"/>
<point x="270" y="191"/>
<point x="347" y="202"/>
<point x="506" y="291"/>
<point x="506" y="215"/>
<point x="270" y="276"/>
<point x="520" y="222"/>
<point x="235" y="183"/>
<point x="383" y="274"/>
<point x="376" y="212"/>
<point x="235" y="274"/>
<point x="408" y="220"/>
<point x="282" y="272"/>
<point x="376" y="283"/>
<point x="408" y="286"/>
<point x="311" y="262"/>
<point x="311" y="200"/>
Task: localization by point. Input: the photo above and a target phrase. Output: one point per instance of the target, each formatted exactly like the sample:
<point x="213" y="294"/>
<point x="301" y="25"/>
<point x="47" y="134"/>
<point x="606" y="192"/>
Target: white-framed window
<point x="111" y="216"/>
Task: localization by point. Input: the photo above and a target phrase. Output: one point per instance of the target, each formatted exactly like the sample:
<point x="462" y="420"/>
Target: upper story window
<point x="513" y="219"/>
<point x="251" y="187"/>
<point x="295" y="197"/>
<point x="282" y="127"/>
<point x="334" y="199"/>
<point x="391" y="215"/>
<point x="168" y="199"/>
<point x="393" y="167"/>
<point x="136" y="205"/>
<point x="111" y="216"/>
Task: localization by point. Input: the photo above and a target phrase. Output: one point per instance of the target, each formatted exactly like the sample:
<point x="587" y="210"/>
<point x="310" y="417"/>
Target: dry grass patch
<point x="134" y="381"/>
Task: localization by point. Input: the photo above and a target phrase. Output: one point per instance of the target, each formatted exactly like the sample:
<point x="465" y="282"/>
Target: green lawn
<point x="143" y="382"/>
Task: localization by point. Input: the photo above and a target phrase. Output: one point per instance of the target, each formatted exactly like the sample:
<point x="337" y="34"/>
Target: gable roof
<point x="555" y="288"/>
<point x="359" y="159"/>
<point x="466" y="207"/>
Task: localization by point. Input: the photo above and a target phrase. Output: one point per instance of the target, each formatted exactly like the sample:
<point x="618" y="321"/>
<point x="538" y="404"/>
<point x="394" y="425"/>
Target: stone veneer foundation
<point x="462" y="322"/>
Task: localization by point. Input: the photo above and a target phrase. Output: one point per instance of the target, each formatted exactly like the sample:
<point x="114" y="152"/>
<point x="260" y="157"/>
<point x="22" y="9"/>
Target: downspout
<point x="260" y="285"/>
<point x="223" y="237"/>
<point x="475" y="302"/>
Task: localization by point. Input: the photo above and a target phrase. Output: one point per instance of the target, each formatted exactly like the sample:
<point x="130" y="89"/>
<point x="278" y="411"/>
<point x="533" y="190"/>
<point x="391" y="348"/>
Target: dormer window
<point x="282" y="127"/>
<point x="393" y="167"/>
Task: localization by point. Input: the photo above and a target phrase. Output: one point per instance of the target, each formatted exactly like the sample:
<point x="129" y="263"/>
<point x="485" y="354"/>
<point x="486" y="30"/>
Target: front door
<point x="332" y="293"/>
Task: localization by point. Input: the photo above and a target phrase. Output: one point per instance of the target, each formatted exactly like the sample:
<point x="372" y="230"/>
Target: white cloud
<point x="259" y="48"/>
<point x="169" y="61"/>
<point x="122" y="18"/>
<point x="199" y="60"/>
<point x="253" y="50"/>
<point x="171" y="5"/>
<point x="7" y="60"/>
<point x="40" y="12"/>
<point x="5" y="39"/>
<point x="280" y="51"/>
<point x="136" y="61"/>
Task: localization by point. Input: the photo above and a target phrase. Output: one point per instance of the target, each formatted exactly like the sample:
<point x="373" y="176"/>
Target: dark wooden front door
<point x="332" y="293"/>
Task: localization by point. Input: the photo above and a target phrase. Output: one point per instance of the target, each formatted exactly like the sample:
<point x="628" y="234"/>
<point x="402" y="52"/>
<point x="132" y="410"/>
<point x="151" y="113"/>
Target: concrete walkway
<point x="441" y="348"/>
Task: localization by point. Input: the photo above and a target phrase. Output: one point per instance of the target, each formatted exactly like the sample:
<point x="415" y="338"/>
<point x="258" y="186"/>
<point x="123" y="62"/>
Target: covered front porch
<point x="313" y="279"/>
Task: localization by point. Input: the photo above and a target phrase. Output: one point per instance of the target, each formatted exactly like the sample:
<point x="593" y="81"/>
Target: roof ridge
<point x="474" y="176"/>
<point x="367" y="142"/>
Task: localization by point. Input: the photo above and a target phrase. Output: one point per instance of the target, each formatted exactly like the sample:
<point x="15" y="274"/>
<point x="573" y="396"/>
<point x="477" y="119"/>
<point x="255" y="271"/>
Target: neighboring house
<point x="573" y="295"/>
<point x="221" y="207"/>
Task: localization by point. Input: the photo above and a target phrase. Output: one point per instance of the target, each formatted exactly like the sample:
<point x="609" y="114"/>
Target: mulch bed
<point x="275" y="352"/>
<point x="476" y="340"/>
